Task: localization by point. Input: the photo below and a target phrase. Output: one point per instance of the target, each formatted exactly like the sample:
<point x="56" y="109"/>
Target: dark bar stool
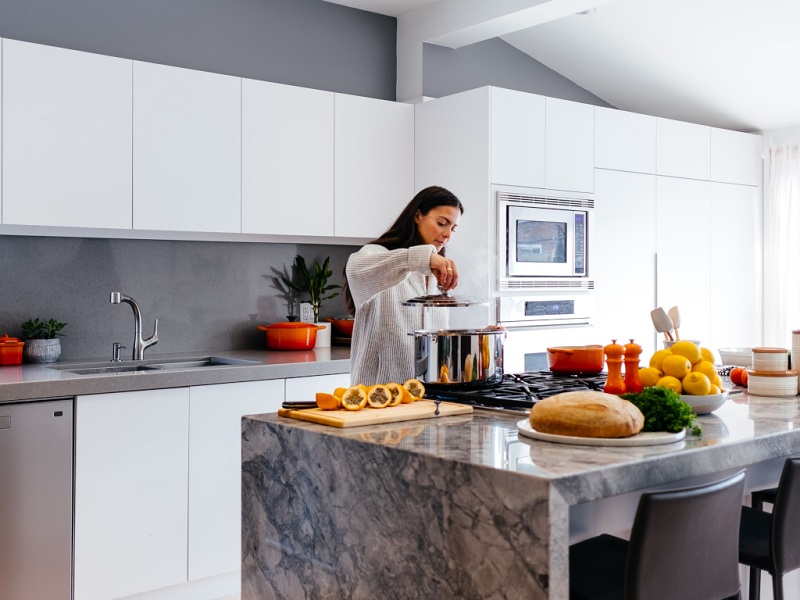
<point x="682" y="546"/>
<point x="770" y="542"/>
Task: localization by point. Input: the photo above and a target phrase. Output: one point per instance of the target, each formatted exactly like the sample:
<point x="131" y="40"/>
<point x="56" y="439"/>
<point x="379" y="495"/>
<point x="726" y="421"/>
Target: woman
<point x="406" y="262"/>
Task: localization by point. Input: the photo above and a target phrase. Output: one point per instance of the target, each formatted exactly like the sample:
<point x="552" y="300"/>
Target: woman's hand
<point x="445" y="271"/>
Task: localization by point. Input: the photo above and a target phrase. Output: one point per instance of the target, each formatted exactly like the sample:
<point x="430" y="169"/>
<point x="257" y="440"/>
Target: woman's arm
<point x="374" y="268"/>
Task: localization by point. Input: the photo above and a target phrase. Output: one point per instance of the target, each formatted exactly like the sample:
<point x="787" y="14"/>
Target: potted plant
<point x="42" y="344"/>
<point x="314" y="282"/>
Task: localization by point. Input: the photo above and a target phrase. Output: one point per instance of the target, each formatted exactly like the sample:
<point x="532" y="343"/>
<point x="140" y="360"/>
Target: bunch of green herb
<point x="34" y="329"/>
<point x="664" y="410"/>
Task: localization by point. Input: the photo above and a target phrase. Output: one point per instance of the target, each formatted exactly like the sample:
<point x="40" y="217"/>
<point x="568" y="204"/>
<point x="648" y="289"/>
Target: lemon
<point x="671" y="383"/>
<point x="706" y="368"/>
<point x="707" y="355"/>
<point x="715" y="390"/>
<point x="687" y="349"/>
<point x="716" y="380"/>
<point x="649" y="376"/>
<point x="696" y="384"/>
<point x="676" y="365"/>
<point x="658" y="358"/>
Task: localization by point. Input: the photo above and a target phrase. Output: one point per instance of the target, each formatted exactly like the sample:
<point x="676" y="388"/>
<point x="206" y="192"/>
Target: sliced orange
<point x="379" y="396"/>
<point x="354" y="398"/>
<point x="415" y="388"/>
<point x="399" y="394"/>
<point x="327" y="401"/>
<point x="339" y="392"/>
<point x="444" y="374"/>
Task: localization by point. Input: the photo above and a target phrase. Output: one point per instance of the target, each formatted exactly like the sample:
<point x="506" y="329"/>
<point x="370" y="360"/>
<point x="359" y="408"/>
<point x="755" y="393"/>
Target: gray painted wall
<point x="206" y="295"/>
<point x="309" y="43"/>
<point x="495" y="62"/>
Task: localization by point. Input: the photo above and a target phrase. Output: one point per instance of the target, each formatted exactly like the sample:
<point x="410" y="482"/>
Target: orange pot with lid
<point x="575" y="360"/>
<point x="10" y="350"/>
<point x="291" y="335"/>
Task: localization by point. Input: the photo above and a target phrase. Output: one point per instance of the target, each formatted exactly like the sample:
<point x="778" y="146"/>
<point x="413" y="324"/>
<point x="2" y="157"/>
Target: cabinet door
<point x="186" y="150"/>
<point x="736" y="257"/>
<point x="624" y="141"/>
<point x="301" y="389"/>
<point x="518" y="138"/>
<point x="570" y="146"/>
<point x="215" y="461"/>
<point x="623" y="257"/>
<point x="287" y="159"/>
<point x="683" y="241"/>
<point x="374" y="164"/>
<point x="735" y="157"/>
<point x="683" y="149"/>
<point x="66" y="137"/>
<point x="131" y="469"/>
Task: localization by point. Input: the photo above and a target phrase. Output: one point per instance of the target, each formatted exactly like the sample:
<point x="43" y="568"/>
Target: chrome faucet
<point x="139" y="344"/>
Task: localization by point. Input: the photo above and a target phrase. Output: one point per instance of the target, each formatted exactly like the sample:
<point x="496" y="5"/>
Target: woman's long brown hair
<point x="404" y="233"/>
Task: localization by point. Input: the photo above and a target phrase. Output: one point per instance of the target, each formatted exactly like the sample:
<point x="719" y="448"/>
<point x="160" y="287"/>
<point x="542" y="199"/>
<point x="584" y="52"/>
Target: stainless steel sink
<point x="155" y="366"/>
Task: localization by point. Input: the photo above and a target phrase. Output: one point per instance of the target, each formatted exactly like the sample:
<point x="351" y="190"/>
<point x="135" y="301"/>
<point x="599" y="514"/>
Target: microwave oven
<point x="544" y="241"/>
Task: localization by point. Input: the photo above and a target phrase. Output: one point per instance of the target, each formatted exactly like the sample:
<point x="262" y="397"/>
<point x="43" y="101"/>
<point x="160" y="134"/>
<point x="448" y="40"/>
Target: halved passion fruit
<point x="354" y="398"/>
<point x="379" y="396"/>
<point x="399" y="394"/>
<point x="415" y="389"/>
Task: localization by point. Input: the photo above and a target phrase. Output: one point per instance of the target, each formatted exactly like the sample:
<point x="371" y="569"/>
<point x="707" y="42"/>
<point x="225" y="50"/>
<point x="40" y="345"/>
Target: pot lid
<point x="10" y="342"/>
<point x="445" y="301"/>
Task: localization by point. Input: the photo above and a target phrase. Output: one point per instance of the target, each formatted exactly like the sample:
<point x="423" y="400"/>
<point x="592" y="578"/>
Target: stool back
<point x="786" y="519"/>
<point x="685" y="543"/>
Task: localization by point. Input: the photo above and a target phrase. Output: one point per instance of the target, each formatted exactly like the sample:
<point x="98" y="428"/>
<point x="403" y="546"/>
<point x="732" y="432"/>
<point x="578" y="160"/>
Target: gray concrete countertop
<point x="32" y="382"/>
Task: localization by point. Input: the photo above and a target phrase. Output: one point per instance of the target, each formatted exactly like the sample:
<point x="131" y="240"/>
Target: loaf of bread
<point x="587" y="414"/>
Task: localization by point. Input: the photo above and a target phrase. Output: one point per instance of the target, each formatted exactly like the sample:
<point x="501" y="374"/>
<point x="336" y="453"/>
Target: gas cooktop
<point x="518" y="391"/>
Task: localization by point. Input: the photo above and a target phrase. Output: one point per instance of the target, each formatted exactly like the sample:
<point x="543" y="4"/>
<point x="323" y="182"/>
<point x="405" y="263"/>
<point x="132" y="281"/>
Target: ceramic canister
<point x="770" y="359"/>
<point x="772" y="383"/>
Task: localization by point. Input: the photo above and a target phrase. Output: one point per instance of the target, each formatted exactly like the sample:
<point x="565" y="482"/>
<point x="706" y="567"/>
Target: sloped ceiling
<point x="726" y="63"/>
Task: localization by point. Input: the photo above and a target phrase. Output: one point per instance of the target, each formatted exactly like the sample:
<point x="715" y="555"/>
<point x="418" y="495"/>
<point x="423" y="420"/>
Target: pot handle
<point x="262" y="327"/>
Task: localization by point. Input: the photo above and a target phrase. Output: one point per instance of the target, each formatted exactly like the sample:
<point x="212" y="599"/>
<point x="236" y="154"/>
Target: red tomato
<point x="744" y="378"/>
<point x="736" y="375"/>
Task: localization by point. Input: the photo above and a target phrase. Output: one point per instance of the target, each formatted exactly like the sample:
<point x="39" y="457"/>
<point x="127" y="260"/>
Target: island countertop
<point x="490" y="508"/>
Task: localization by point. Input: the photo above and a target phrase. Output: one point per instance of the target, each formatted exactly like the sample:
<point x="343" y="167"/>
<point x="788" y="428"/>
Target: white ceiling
<point x="725" y="63"/>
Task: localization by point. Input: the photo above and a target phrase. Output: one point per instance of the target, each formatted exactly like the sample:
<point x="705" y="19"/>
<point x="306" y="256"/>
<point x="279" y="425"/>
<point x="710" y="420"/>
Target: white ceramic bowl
<point x="702" y="405"/>
<point x="736" y="357"/>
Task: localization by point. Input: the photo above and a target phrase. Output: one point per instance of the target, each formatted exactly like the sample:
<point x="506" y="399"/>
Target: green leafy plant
<point x="664" y="410"/>
<point x="313" y="282"/>
<point x="34" y="329"/>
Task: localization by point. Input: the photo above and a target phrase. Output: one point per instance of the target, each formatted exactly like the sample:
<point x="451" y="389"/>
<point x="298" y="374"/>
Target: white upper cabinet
<point x="186" y="150"/>
<point x="66" y="137"/>
<point x="735" y="157"/>
<point x="570" y="146"/>
<point x="1" y="130"/>
<point x="287" y="159"/>
<point x="374" y="164"/>
<point x="518" y="138"/>
<point x="624" y="141"/>
<point x="683" y="149"/>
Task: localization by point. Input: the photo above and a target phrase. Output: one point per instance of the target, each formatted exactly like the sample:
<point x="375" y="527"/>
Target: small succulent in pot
<point x="313" y="282"/>
<point x="43" y="345"/>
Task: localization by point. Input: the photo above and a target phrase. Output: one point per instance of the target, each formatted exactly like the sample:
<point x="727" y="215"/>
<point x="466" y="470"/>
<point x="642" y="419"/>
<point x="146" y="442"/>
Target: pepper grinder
<point x="614" y="383"/>
<point x="632" y="381"/>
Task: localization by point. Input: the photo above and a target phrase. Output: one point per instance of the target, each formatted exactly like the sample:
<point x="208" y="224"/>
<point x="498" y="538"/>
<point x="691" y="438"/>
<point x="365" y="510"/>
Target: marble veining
<point x="456" y="507"/>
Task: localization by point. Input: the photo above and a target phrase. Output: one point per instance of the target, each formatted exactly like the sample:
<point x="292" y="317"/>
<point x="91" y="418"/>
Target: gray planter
<point x="42" y="351"/>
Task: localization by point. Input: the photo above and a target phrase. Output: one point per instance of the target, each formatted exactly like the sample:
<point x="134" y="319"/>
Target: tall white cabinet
<point x="66" y="138"/>
<point x="374" y="164"/>
<point x="287" y="159"/>
<point x="186" y="150"/>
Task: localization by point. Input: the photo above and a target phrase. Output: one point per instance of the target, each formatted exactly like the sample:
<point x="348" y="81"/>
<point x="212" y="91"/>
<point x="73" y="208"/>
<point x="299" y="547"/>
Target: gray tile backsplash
<point x="206" y="295"/>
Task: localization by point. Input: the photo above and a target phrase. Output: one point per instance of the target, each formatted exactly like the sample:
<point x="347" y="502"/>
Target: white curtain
<point x="781" y="245"/>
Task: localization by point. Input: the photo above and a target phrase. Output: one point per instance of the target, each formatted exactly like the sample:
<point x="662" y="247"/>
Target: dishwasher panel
<point x="36" y="458"/>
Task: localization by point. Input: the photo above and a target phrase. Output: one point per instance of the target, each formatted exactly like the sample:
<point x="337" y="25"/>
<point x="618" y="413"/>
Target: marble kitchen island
<point x="462" y="506"/>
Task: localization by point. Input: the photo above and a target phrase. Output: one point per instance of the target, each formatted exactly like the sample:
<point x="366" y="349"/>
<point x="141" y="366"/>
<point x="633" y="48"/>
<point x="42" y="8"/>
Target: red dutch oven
<point x="575" y="360"/>
<point x="291" y="335"/>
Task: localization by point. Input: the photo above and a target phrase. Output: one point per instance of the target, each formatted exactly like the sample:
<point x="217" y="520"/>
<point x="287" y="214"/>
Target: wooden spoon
<point x="662" y="322"/>
<point x="675" y="317"/>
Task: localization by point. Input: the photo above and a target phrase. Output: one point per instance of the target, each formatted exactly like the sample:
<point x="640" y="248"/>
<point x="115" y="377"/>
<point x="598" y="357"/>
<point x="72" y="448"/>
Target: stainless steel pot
<point x="459" y="357"/>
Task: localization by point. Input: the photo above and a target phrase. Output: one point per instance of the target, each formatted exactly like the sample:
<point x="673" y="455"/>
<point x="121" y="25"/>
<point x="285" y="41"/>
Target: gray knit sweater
<point x="380" y="281"/>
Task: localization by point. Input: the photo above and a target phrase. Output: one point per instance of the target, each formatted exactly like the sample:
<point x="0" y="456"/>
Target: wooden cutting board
<point x="422" y="409"/>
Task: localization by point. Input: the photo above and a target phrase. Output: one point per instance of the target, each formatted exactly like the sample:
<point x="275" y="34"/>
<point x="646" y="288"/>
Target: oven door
<point x="574" y="307"/>
<point x="545" y="242"/>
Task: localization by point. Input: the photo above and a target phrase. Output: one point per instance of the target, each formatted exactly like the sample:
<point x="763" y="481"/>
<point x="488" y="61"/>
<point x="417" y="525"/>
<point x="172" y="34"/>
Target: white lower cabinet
<point x="215" y="458"/>
<point x="131" y="468"/>
<point x="301" y="389"/>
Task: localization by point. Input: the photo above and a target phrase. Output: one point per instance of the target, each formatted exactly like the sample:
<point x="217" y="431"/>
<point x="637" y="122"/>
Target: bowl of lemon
<point x="688" y="369"/>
